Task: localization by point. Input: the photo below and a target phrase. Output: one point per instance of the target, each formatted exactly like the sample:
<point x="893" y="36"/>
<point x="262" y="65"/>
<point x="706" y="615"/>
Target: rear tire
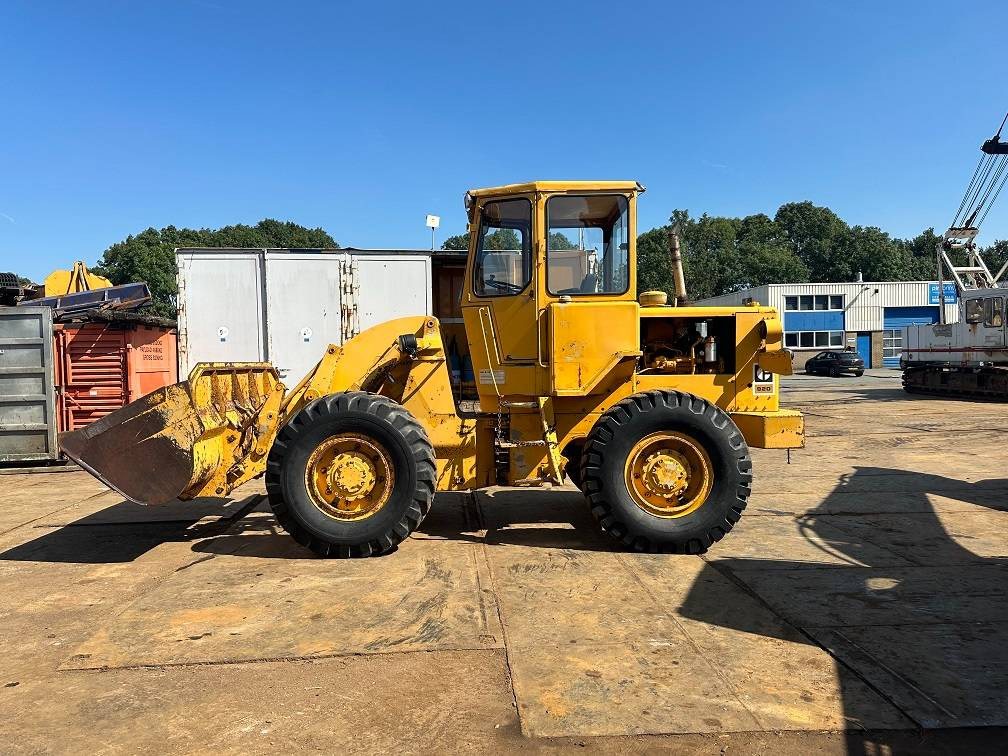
<point x="609" y="459"/>
<point x="402" y="478"/>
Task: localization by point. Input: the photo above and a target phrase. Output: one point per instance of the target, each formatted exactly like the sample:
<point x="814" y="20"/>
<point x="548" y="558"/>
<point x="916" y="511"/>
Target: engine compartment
<point x="688" y="346"/>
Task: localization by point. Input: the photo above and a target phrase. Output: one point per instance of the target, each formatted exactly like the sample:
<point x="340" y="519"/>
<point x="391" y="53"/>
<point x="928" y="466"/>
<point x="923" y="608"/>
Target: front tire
<point x="351" y="475"/>
<point x="573" y="467"/>
<point x="666" y="471"/>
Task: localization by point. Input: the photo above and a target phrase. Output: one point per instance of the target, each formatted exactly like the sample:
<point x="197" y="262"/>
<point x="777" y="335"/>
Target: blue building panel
<point x="813" y="320"/>
<point x="900" y="317"/>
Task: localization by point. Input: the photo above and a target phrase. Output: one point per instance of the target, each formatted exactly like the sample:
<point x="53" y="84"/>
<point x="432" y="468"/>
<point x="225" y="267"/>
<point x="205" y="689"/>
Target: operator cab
<point x="534" y="247"/>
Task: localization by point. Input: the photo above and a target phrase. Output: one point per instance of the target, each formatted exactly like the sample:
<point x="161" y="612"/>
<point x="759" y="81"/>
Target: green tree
<point x="654" y="268"/>
<point x="150" y="255"/>
<point x="996" y="255"/>
<point x="803" y="242"/>
<point x="922" y="256"/>
<point x="460" y="242"/>
<point x="765" y="255"/>
<point x="501" y="239"/>
<point x="558" y="240"/>
<point x="814" y="233"/>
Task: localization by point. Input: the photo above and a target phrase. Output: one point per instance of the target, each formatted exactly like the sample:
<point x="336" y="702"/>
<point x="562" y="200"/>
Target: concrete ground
<point x="861" y="606"/>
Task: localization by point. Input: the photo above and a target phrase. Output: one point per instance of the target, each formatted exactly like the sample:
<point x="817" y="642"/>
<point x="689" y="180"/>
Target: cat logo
<point x="763" y="383"/>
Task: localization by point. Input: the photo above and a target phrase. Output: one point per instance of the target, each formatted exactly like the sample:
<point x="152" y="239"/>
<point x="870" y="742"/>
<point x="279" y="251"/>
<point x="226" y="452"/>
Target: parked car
<point x="835" y="363"/>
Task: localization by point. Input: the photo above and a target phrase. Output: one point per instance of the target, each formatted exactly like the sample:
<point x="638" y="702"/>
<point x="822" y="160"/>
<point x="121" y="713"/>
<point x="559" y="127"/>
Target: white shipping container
<point x="285" y="306"/>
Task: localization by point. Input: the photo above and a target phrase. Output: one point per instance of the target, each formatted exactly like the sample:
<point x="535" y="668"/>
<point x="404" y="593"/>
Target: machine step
<point x="517" y="444"/>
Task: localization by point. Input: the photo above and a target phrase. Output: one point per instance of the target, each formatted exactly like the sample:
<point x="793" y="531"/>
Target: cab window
<point x="993" y="313"/>
<point x="503" y="248"/>
<point x="974" y="310"/>
<point x="587" y="244"/>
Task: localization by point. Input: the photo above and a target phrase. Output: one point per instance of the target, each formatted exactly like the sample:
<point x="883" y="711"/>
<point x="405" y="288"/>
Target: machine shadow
<point x="126" y="531"/>
<point x="902" y="590"/>
<point x="498" y="517"/>
<point x="558" y="519"/>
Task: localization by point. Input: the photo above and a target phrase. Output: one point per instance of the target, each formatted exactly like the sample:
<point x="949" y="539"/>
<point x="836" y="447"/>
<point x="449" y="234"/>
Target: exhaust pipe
<point x="677" y="266"/>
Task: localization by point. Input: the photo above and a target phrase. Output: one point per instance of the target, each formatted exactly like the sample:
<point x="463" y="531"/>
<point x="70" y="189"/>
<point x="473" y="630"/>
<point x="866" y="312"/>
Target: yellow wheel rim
<point x="669" y="474"/>
<point x="349" y="477"/>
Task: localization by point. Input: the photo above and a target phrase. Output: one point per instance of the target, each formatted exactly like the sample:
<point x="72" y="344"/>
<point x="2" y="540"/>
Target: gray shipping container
<point x="285" y="306"/>
<point x="27" y="397"/>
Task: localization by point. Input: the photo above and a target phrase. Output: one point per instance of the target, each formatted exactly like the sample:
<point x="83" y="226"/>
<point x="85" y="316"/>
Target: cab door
<point x="500" y="305"/>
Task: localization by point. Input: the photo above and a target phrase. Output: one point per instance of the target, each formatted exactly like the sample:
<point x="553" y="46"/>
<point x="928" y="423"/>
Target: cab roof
<point x="557" y="186"/>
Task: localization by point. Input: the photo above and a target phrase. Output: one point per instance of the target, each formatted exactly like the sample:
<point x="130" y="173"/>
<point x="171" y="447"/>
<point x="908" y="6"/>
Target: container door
<point x="93" y="374"/>
<point x="152" y="360"/>
<point x="302" y="309"/>
<point x="392" y="286"/>
<point x="220" y="308"/>
<point x="27" y="406"/>
<point x="864" y="348"/>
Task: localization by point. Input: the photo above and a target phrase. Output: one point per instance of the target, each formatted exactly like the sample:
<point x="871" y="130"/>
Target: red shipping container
<point x="102" y="366"/>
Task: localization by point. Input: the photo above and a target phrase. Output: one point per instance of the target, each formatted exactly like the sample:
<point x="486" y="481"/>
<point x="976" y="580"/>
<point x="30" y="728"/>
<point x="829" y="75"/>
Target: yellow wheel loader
<point x="649" y="408"/>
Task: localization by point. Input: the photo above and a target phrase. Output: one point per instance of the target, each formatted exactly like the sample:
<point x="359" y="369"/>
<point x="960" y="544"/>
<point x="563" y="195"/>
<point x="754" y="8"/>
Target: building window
<point x="813" y="339"/>
<point x="814" y="302"/>
<point x="892" y="342"/>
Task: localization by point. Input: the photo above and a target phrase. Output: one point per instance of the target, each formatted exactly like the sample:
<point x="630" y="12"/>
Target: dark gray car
<point x="835" y="363"/>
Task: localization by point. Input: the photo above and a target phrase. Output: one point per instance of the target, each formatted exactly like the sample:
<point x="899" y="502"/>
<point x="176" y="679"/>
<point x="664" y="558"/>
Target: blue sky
<point x="362" y="118"/>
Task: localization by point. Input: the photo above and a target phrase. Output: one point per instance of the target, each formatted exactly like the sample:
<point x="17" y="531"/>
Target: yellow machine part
<point x="776" y="429"/>
<point x="202" y="437"/>
<point x="61" y="282"/>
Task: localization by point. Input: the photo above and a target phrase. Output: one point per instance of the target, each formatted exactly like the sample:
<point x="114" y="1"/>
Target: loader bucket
<point x="174" y="442"/>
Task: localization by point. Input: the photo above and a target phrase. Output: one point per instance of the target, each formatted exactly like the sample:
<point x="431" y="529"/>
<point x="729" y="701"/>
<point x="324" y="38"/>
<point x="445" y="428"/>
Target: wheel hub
<point x="349" y="477"/>
<point x="666" y="473"/>
<point x="669" y="474"/>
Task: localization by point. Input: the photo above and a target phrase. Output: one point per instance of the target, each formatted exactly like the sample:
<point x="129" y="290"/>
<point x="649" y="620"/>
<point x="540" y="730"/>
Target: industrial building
<point x="867" y="316"/>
